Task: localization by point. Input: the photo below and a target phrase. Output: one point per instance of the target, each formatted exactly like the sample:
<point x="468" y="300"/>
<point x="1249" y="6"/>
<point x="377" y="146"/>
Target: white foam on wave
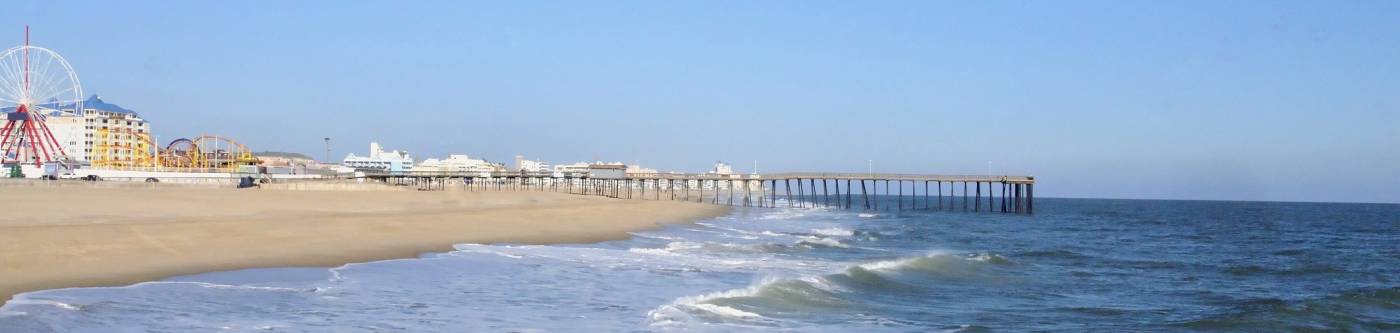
<point x="895" y="264"/>
<point x="822" y="283"/>
<point x="499" y="250"/>
<point x="990" y="258"/>
<point x="652" y="251"/>
<point x="338" y="276"/>
<point x="785" y="214"/>
<point x="705" y="307"/>
<point x="902" y="263"/>
<point x="686" y="309"/>
<point x="229" y="286"/>
<point x="814" y="240"/>
<point x="834" y="231"/>
<point x="737" y="233"/>
<point x="886" y="265"/>
<point x="27" y="301"/>
<point x="725" y="311"/>
<point x="655" y="236"/>
<point x="704" y="254"/>
<point x="25" y="298"/>
<point x="679" y="248"/>
<point x="681" y="309"/>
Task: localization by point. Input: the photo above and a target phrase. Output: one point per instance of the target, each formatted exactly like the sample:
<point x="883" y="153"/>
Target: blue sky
<point x="1243" y="100"/>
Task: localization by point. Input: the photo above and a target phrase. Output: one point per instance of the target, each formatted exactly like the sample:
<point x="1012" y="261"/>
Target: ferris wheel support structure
<point x="26" y="136"/>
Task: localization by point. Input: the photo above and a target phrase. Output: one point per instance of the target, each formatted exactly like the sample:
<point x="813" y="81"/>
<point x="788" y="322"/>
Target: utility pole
<point x="155" y="140"/>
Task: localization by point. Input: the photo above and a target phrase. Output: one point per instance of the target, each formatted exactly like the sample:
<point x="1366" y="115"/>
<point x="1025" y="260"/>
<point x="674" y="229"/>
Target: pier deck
<point x="1003" y="193"/>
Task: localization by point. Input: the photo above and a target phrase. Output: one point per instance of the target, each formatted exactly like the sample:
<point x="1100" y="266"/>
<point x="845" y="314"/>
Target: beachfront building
<point x="721" y="169"/>
<point x="103" y="132"/>
<point x="586" y="168"/>
<point x="607" y="171"/>
<point x="639" y="170"/>
<point x="524" y="165"/>
<point x="569" y="169"/>
<point x="70" y="131"/>
<point x="458" y="163"/>
<point x="380" y="160"/>
<point x="284" y="159"/>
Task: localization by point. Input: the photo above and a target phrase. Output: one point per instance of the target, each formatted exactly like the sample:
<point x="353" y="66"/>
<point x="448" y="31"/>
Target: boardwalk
<point x="867" y="191"/>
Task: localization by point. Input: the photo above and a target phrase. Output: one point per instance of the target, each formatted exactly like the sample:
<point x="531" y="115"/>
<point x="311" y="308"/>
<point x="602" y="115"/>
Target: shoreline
<point x="66" y="237"/>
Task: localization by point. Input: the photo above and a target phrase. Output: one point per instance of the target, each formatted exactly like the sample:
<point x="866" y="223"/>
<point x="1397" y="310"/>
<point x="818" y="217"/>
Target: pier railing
<point x="904" y="176"/>
<point x="1003" y="193"/>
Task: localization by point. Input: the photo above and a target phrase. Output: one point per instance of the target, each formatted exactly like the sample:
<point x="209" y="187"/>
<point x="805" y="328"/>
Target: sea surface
<point x="1075" y="265"/>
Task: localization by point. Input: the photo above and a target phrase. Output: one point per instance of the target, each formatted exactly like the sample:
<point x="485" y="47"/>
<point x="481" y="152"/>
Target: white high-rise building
<point x="637" y="169"/>
<point x="380" y="160"/>
<point x="522" y="164"/>
<point x="722" y="169"/>
<point x="69" y="129"/>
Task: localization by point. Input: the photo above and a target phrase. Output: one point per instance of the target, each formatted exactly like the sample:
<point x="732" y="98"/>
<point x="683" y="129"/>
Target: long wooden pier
<point x="867" y="191"/>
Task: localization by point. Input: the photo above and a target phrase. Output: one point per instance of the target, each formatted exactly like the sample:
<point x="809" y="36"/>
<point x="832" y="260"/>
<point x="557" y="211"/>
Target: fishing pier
<point x="866" y="191"/>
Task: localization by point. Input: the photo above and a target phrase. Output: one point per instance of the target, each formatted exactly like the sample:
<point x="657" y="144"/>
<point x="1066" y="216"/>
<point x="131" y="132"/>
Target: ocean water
<point x="1076" y="265"/>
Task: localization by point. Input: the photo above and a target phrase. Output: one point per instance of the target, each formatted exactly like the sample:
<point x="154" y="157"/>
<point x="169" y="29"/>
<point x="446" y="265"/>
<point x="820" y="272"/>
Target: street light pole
<point x="328" y="150"/>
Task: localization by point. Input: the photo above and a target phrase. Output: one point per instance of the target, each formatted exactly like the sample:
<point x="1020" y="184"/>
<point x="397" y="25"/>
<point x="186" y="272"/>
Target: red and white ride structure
<point x="34" y="83"/>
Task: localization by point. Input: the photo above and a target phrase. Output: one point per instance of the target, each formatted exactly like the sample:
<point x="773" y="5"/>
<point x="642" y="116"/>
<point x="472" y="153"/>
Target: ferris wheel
<point x="34" y="82"/>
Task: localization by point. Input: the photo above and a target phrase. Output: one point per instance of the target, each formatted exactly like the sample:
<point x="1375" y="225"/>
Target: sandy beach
<point x="78" y="236"/>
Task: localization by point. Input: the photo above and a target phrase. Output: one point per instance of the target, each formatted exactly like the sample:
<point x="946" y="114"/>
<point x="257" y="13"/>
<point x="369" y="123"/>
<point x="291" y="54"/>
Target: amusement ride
<point x="37" y="83"/>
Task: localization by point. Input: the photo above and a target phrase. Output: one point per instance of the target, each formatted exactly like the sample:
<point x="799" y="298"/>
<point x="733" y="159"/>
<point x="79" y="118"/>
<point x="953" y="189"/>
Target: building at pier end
<point x="379" y="160"/>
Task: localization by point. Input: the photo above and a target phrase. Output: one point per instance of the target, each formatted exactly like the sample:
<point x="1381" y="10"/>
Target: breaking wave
<point x="777" y="298"/>
<point x="815" y="241"/>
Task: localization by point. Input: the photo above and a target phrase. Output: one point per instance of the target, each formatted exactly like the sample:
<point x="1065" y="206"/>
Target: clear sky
<point x="1253" y="100"/>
